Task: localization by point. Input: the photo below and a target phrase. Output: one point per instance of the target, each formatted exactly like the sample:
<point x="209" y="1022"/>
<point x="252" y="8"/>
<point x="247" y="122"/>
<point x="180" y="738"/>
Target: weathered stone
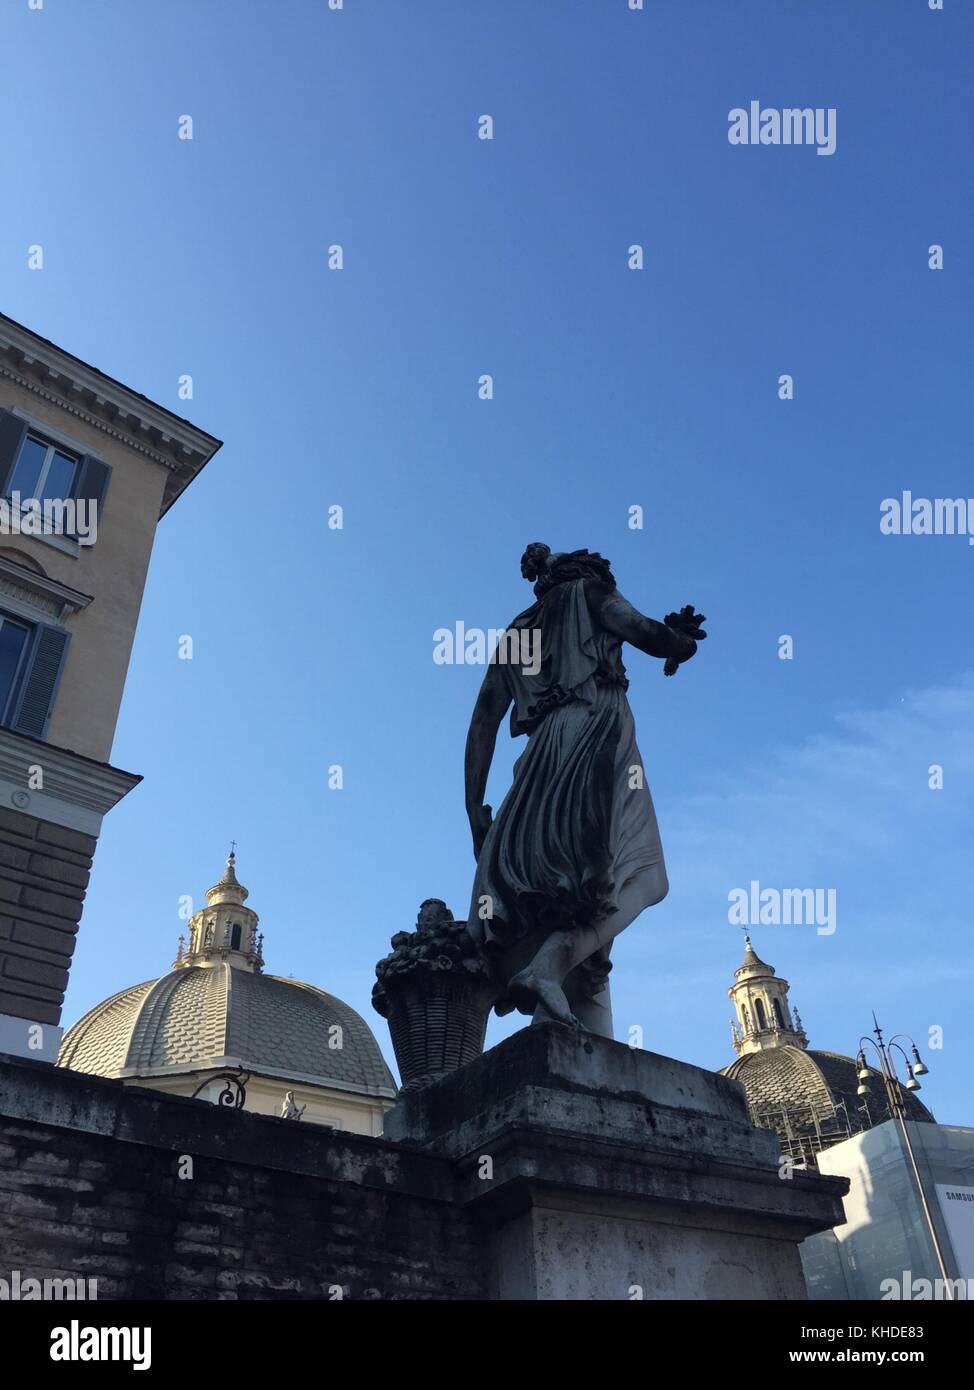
<point x="601" y="1169"/>
<point x="356" y="1212"/>
<point x="44" y="871"/>
<point x="67" y="839"/>
<point x="611" y="1169"/>
<point x="57" y="870"/>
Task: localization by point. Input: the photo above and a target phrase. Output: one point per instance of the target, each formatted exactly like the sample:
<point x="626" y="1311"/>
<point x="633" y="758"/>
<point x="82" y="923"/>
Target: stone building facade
<point x="87" y="468"/>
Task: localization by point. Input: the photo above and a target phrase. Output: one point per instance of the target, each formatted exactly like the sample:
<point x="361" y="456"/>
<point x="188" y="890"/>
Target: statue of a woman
<point x="574" y="854"/>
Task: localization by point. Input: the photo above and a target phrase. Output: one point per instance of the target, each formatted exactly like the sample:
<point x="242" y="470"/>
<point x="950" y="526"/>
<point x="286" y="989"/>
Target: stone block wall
<point x="160" y="1197"/>
<point x="44" y="871"/>
<point x="557" y="1166"/>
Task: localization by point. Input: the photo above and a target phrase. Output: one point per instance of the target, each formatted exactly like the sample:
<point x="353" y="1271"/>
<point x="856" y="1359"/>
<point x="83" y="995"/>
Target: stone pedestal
<point x="603" y="1172"/>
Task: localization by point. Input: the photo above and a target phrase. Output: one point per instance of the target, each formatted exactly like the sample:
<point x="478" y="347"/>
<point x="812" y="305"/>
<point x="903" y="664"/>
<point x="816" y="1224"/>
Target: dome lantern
<point x="764" y="1017"/>
<point x="225" y="930"/>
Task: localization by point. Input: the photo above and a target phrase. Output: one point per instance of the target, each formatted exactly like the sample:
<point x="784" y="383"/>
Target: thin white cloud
<point x="850" y="808"/>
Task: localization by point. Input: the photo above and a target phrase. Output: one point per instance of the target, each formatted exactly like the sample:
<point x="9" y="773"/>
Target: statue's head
<point x="535" y="560"/>
<point x="547" y="569"/>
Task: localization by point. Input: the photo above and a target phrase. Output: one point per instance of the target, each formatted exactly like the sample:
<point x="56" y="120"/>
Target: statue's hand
<point x="688" y="624"/>
<point x="481" y="819"/>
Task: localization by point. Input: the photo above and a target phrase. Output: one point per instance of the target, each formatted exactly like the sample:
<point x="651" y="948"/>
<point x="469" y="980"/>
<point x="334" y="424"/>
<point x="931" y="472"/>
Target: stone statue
<point x="289" y="1109"/>
<point x="574" y="854"/>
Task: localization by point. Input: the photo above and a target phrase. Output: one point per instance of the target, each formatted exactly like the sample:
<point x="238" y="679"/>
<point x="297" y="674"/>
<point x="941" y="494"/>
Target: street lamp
<point x="897" y="1106"/>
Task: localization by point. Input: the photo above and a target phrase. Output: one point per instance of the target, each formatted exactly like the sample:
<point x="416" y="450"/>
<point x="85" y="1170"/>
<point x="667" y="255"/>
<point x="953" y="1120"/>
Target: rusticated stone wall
<point x="160" y="1197"/>
<point x="44" y="872"/>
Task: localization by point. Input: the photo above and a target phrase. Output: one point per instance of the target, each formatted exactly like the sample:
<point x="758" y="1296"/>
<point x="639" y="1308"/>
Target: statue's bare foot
<point x="541" y="1015"/>
<point x="537" y="995"/>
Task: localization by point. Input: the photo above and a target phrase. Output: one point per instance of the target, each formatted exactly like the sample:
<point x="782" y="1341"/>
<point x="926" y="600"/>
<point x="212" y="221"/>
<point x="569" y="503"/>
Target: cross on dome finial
<point x="229" y="888"/>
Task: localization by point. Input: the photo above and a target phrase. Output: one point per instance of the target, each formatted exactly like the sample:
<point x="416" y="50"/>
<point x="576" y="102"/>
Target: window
<point x="759" y="1013"/>
<point x="45" y="471"/>
<point x="63" y="483"/>
<point x="31" y="660"/>
<point x="235" y="937"/>
<point x="777" y="1013"/>
<point x="14" y="637"/>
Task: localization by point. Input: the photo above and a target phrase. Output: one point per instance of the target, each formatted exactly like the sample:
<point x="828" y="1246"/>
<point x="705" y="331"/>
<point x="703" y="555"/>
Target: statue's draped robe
<point x="577" y="826"/>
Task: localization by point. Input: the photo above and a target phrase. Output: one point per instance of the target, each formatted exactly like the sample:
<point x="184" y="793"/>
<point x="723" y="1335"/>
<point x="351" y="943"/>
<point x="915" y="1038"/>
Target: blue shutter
<point x="40" y="681"/>
<point x="12" y="431"/>
<point x="92" y="485"/>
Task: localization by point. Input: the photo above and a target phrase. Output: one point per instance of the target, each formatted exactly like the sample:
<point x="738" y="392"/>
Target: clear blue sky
<point x="612" y="388"/>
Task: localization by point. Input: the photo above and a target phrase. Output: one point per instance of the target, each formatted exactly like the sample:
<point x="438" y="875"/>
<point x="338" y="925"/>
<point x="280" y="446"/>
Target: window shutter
<point x="41" y="680"/>
<point x="93" y="483"/>
<point x="12" y="431"/>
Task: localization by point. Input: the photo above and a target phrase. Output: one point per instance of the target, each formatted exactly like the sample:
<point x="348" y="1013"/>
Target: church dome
<point x="216" y="1011"/>
<point x="810" y="1098"/>
<point x="785" y="1078"/>
<point x="215" y="1016"/>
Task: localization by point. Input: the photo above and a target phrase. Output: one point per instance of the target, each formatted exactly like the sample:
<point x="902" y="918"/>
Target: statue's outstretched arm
<point x="675" y="640"/>
<point x="492" y="704"/>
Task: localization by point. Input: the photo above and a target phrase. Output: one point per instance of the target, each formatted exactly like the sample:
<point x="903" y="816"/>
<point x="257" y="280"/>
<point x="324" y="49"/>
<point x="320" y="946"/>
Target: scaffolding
<point x="804" y="1130"/>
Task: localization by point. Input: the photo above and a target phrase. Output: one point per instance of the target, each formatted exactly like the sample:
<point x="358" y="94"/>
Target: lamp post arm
<point x="886" y="1071"/>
